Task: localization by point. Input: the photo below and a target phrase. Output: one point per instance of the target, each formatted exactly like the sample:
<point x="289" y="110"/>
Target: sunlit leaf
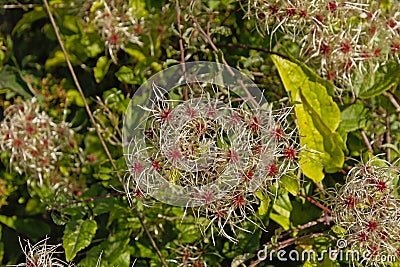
<point x="318" y="117"/>
<point x="78" y="235"/>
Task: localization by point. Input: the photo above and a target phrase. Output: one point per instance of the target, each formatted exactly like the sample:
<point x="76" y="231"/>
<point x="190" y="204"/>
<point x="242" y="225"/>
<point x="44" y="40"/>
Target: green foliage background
<point x="96" y="219"/>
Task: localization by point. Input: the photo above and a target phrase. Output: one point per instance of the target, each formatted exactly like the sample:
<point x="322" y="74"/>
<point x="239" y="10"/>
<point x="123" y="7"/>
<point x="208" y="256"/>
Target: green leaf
<point x="77" y="236"/>
<point x="71" y="24"/>
<point x="58" y="59"/>
<point x="264" y="202"/>
<point x="353" y="117"/>
<point x="28" y="18"/>
<point x="318" y="117"/>
<point x="34" y="206"/>
<point x="309" y="264"/>
<point x="374" y="83"/>
<point x="135" y="53"/>
<point x="125" y="75"/>
<point x="281" y="220"/>
<point x="101" y="69"/>
<point x="338" y="230"/>
<point x="188" y="233"/>
<point x="10" y="79"/>
<point x="114" y="251"/>
<point x="74" y="97"/>
<point x="291" y="184"/>
<point x="25" y="226"/>
<point x="282" y="208"/>
<point x="303" y="213"/>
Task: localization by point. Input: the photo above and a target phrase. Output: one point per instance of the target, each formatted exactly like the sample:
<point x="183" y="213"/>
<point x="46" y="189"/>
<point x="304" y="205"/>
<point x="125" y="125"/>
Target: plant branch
<point x="81" y="93"/>
<point x="213" y="46"/>
<point x="181" y="47"/>
<point x="95" y="125"/>
<point x="153" y="243"/>
<point x="393" y="100"/>
<point x="388" y="138"/>
<point x="86" y="200"/>
<point x="259" y="49"/>
<point x="19" y="6"/>
<point x="319" y="205"/>
<point x="366" y="141"/>
<point x="302" y="227"/>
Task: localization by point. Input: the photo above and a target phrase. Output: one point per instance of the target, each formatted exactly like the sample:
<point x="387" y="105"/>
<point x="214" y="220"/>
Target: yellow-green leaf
<point x="318" y="117"/>
<point x="264" y="203"/>
<point x="291" y="184"/>
<point x="101" y="69"/>
<point x="77" y="236"/>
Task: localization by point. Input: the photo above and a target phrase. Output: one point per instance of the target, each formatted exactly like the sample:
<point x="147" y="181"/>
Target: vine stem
<point x="259" y="49"/>
<point x="96" y="126"/>
<point x="181" y="47"/>
<point x="313" y="201"/>
<point x="19" y="6"/>
<point x="366" y="141"/>
<point x="216" y="50"/>
<point x="86" y="200"/>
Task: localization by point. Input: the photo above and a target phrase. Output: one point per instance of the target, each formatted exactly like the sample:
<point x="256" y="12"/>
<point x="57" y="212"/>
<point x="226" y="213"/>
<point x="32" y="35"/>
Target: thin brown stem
<point x="214" y="47"/>
<point x="95" y="125"/>
<point x="319" y="205"/>
<point x="249" y="47"/>
<point x="58" y="207"/>
<point x="81" y="93"/>
<point x="388" y="138"/>
<point x="366" y="141"/>
<point x="153" y="243"/>
<point x="19" y="6"/>
<point x="393" y="100"/>
<point x="181" y="47"/>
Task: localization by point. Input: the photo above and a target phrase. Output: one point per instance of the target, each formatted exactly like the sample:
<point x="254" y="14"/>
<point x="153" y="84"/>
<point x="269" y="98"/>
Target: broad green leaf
<point x="77" y="236"/>
<point x="304" y="212"/>
<point x="34" y="206"/>
<point x="59" y="218"/>
<point x="282" y="209"/>
<point x="101" y="69"/>
<point x="338" y="230"/>
<point x="28" y="18"/>
<point x="74" y="97"/>
<point x="281" y="220"/>
<point x="291" y="184"/>
<point x="58" y="59"/>
<point x="10" y="79"/>
<point x="264" y="202"/>
<point x="318" y="117"/>
<point x="188" y="233"/>
<point x="71" y="24"/>
<point x="92" y="44"/>
<point x="113" y="251"/>
<point x="135" y="53"/>
<point x="125" y="75"/>
<point x="249" y="241"/>
<point x="385" y="78"/>
<point x="24" y="226"/>
<point x="353" y="117"/>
